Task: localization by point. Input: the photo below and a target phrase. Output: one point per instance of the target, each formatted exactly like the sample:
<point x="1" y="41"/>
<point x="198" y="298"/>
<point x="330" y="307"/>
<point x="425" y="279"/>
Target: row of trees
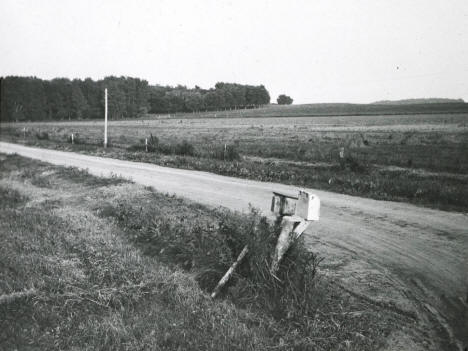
<point x="30" y="98"/>
<point x="222" y="96"/>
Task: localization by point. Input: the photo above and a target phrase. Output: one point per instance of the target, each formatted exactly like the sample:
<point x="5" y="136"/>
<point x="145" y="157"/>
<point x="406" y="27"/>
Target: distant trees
<point x="222" y="96"/>
<point x="284" y="100"/>
<point x="30" y="98"/>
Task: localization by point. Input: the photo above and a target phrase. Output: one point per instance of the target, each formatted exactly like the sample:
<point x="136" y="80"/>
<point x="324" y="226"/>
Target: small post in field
<point x="105" y="117"/>
<point x="225" y="149"/>
<point x="72" y="138"/>
<point x="146" y="144"/>
<point x="342" y="157"/>
<point x="24" y="133"/>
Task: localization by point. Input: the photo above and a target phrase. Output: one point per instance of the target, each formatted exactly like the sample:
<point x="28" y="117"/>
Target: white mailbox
<point x="308" y="206"/>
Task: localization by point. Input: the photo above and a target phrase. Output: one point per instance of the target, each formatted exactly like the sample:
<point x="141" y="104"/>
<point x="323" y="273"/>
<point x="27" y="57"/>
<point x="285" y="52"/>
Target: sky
<point x="314" y="51"/>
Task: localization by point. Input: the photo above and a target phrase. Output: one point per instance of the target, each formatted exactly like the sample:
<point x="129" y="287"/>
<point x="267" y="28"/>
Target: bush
<point x="42" y="135"/>
<point x="356" y="165"/>
<point x="184" y="149"/>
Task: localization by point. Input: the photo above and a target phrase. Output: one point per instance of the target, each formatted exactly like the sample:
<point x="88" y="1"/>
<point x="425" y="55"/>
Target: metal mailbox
<point x="283" y="204"/>
<point x="305" y="206"/>
<point x="308" y="206"/>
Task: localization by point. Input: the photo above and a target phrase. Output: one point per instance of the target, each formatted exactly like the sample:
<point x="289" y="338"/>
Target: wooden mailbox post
<point x="296" y="212"/>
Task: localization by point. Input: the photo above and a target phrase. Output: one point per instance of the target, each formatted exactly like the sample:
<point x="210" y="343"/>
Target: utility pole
<point x="105" y="117"/>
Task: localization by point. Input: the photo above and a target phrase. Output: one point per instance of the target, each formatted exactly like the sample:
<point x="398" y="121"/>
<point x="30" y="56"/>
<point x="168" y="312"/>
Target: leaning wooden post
<point x="230" y="271"/>
<point x="146" y="144"/>
<point x="72" y="139"/>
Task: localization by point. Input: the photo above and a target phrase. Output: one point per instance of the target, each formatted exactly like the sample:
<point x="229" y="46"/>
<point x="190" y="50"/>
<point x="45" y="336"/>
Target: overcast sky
<point x="314" y="51"/>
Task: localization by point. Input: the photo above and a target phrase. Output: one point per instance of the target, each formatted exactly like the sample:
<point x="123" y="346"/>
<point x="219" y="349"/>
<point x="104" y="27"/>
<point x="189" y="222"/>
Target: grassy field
<point x="421" y="159"/>
<point x="92" y="263"/>
<point x="329" y="109"/>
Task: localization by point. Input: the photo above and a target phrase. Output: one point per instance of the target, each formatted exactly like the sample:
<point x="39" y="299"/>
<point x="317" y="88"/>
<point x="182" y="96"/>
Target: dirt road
<point x="408" y="258"/>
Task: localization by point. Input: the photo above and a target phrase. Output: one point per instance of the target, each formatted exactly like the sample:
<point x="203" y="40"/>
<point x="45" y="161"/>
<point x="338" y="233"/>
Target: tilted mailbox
<point x="305" y="206"/>
<point x="308" y="206"/>
<point x="297" y="213"/>
<point x="283" y="204"/>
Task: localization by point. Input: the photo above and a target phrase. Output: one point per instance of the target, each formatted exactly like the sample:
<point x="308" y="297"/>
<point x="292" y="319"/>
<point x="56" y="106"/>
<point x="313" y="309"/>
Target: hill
<point x="333" y="109"/>
<point x="418" y="101"/>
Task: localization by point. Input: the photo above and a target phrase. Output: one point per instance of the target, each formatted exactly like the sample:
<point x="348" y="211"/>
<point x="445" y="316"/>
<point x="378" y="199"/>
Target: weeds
<point x="42" y="136"/>
<point x="209" y="250"/>
<point x="10" y="198"/>
<point x="183" y="149"/>
<point x="104" y="272"/>
<point x="226" y="153"/>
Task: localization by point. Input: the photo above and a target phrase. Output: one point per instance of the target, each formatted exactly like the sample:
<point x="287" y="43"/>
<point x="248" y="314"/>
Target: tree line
<point x="31" y="98"/>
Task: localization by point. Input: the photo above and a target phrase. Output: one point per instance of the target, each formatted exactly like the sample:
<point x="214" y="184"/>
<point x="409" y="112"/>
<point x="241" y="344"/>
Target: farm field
<point x="421" y="159"/>
<point x="329" y="109"/>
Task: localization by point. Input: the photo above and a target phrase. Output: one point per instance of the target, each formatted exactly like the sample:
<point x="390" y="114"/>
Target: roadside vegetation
<point x="416" y="159"/>
<point x="94" y="263"/>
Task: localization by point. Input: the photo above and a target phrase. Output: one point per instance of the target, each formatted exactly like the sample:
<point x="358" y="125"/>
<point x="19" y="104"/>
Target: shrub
<point x="42" y="135"/>
<point x="356" y="165"/>
<point x="184" y="149"/>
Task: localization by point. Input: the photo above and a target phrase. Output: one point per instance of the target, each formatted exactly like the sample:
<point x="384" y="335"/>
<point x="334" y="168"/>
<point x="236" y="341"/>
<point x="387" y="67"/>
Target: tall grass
<point x="96" y="265"/>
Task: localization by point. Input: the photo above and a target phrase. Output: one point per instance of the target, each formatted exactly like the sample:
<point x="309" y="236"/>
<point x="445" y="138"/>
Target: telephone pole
<point x="105" y="117"/>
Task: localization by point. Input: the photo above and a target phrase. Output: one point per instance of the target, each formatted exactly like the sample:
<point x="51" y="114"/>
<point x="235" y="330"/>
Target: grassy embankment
<point x="418" y="159"/>
<point x="92" y="263"/>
